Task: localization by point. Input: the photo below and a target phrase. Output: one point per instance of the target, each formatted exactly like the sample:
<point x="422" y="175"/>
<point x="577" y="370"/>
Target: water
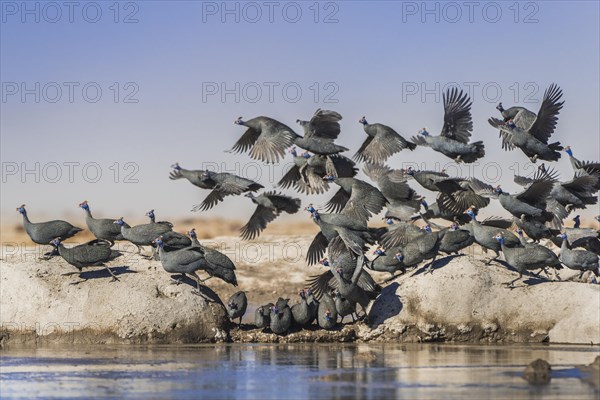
<point x="327" y="371"/>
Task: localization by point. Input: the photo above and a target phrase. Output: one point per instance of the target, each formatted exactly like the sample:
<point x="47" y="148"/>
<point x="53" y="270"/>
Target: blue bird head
<point x="192" y="233"/>
<point x="119" y="222"/>
<point x="410" y="171"/>
<point x="239" y="121"/>
<point x="310" y="208"/>
<point x="569" y="151"/>
<point x="150" y="214"/>
<point x="306" y="155"/>
<point x="363" y="121"/>
<point x="275" y="310"/>
<point x="324" y="262"/>
<point x="21" y="209"/>
<point x="302" y="294"/>
<point x="176" y="167"/>
<point x="424" y="204"/>
<point x="424" y="132"/>
<point x="158" y="241"/>
<point x="55" y="242"/>
<point x="470" y="213"/>
<point x="519" y="231"/>
<point x="427" y="228"/>
<point x="339" y="271"/>
<point x="84" y="205"/>
<point x="499" y="238"/>
<point x="293" y="152"/>
<point x="328" y="315"/>
<point x="379" y="251"/>
<point x="389" y="221"/>
<point x="499" y="107"/>
<point x="399" y="257"/>
<point x="329" y="178"/>
<point x="498" y="189"/>
<point x="308" y="292"/>
<point x="454" y="226"/>
<point x="563" y="236"/>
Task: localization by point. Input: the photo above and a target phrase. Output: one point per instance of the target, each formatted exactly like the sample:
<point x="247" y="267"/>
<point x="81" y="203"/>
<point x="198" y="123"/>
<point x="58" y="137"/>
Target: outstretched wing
<point x="258" y="222"/>
<point x="458" y="123"/>
<point x="547" y="117"/>
<point x="246" y="141"/>
<point x="324" y="124"/>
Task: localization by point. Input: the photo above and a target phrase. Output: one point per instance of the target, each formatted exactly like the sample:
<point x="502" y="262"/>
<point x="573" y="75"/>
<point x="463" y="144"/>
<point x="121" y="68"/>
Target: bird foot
<point x="198" y="293"/>
<point x="78" y="282"/>
<point x="458" y="160"/>
<point x="176" y="281"/>
<point x="114" y="277"/>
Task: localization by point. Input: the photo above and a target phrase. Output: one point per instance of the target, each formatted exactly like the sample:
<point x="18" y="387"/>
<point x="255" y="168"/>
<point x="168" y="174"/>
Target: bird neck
<point x="88" y="213"/>
<point x="26" y="220"/>
<point x="563" y="245"/>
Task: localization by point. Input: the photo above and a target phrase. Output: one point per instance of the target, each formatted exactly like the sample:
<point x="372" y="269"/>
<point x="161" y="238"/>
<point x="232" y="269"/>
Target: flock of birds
<point x="345" y="242"/>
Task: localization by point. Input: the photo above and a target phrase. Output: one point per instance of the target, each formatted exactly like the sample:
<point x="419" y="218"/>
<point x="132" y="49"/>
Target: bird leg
<point x="511" y="283"/>
<point x="114" y="277"/>
<point x="197" y="291"/>
<point x="429" y="269"/>
<point x="178" y="281"/>
<point x="392" y="278"/>
<point x="205" y="279"/>
<point x="488" y="262"/>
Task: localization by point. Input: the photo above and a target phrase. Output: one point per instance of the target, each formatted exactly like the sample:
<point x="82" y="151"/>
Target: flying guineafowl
<point x="45" y="232"/>
<point x="266" y="138"/>
<point x="532" y="138"/>
<point x="453" y="141"/>
<point x="381" y="143"/>
<point x="221" y="184"/>
<point x="268" y="207"/>
<point x="94" y="253"/>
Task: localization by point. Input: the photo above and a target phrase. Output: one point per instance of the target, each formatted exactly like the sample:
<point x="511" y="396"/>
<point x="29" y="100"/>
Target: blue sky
<point x="161" y="73"/>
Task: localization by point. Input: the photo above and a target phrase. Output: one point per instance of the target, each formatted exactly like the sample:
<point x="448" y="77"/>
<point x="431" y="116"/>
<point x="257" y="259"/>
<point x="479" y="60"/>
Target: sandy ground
<point x="463" y="300"/>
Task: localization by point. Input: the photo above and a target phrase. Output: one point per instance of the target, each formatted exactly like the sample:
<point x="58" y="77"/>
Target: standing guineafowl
<point x="183" y="261"/>
<point x="453" y="141"/>
<point x="381" y="143"/>
<point x="580" y="260"/>
<point x="102" y="228"/>
<point x="94" y="253"/>
<point x="218" y="264"/>
<point x="528" y="258"/>
<point x="327" y="313"/>
<point x="236" y="306"/>
<point x="268" y="207"/>
<point x="45" y="232"/>
<point x="142" y="235"/>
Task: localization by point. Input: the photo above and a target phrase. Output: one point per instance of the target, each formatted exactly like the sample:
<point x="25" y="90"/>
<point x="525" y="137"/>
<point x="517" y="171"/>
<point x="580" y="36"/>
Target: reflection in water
<point x="332" y="371"/>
